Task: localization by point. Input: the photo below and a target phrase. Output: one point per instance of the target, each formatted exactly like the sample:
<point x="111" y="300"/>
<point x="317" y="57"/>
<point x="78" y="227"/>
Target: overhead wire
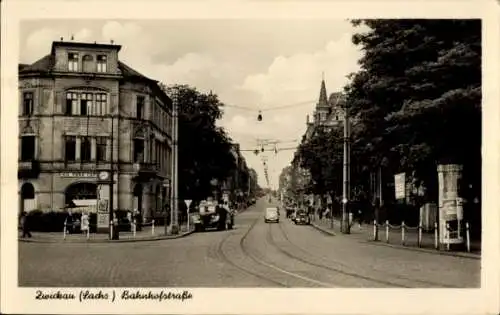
<point x="262" y="109"/>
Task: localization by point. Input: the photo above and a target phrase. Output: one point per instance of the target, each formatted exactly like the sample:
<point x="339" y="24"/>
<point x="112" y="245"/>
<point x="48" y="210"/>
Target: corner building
<point x="76" y="105"/>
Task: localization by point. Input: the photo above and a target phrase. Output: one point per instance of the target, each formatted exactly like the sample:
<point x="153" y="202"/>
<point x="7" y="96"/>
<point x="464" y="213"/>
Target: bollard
<point x="467" y="235"/>
<point x="447" y="233"/>
<point x="419" y="235"/>
<point x="153" y="228"/>
<point x="387" y="231"/>
<point x="64" y="230"/>
<point x="134" y="228"/>
<point x="111" y="228"/>
<point x="435" y="235"/>
<point x="374" y="230"/>
<point x="403" y="232"/>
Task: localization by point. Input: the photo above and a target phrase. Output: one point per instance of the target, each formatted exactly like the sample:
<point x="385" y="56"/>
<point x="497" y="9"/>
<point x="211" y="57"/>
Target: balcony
<point x="146" y="171"/>
<point x="28" y="169"/>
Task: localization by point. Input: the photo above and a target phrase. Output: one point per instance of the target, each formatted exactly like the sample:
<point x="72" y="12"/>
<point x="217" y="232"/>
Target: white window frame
<point x="102" y="63"/>
<point x="73" y="61"/>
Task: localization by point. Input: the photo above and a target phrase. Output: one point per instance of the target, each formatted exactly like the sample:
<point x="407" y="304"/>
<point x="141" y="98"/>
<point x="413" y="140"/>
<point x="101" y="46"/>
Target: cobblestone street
<point x="254" y="254"/>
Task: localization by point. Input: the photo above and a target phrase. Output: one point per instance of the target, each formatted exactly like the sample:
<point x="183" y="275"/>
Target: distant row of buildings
<point x="81" y="107"/>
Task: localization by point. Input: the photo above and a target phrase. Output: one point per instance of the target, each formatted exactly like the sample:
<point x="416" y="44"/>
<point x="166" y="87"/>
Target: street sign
<point x="188" y="203"/>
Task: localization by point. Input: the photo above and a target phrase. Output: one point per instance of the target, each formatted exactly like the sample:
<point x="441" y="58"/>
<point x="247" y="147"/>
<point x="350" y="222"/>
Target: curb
<point x="425" y="250"/>
<point x="323" y="230"/>
<point x="401" y="247"/>
<point x="130" y="240"/>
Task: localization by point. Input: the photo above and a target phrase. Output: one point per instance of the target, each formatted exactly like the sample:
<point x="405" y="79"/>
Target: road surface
<point x="254" y="254"/>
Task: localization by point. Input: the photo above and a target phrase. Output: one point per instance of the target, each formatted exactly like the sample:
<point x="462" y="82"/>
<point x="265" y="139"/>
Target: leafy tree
<point x="418" y="95"/>
<point x="204" y="148"/>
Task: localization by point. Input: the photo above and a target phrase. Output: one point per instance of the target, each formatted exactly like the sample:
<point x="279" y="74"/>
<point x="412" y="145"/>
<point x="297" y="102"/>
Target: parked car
<point x="272" y="215"/>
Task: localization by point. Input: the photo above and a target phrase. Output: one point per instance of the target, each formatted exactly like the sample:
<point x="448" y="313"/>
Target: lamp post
<point x="345" y="227"/>
<point x="174" y="228"/>
<point x="166" y="185"/>
<point x="114" y="232"/>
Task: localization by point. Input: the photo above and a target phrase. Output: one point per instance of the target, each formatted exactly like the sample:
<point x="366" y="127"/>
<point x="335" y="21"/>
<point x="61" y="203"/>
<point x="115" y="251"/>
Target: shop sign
<point x="78" y="174"/>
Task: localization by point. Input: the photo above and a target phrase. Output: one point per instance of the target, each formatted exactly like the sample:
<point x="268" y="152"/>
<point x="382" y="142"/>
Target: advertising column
<point x="450" y="205"/>
<point x="103" y="193"/>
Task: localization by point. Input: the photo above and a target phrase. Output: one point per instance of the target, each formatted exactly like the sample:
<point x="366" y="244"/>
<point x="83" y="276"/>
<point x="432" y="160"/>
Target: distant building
<point x="69" y="101"/>
<point x="328" y="112"/>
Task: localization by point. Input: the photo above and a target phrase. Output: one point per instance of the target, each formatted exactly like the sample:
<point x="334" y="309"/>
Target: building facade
<point x="329" y="112"/>
<point x="83" y="111"/>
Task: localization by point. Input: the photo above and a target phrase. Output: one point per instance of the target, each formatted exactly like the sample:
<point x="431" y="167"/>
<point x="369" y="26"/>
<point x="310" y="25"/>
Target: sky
<point x="252" y="65"/>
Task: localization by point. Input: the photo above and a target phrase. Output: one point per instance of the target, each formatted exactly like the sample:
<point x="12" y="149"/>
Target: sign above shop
<point x="78" y="174"/>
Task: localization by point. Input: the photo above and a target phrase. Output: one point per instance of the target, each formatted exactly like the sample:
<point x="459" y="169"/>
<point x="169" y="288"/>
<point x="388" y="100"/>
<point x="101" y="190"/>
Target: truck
<point x="213" y="215"/>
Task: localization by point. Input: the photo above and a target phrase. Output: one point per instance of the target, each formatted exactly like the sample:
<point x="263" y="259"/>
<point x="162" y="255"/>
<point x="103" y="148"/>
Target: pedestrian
<point x="85" y="223"/>
<point x="360" y="218"/>
<point x="69" y="222"/>
<point x="25" y="225"/>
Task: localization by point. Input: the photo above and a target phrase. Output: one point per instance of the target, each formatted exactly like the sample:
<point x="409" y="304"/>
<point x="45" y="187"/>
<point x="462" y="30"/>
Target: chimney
<point x="308" y="119"/>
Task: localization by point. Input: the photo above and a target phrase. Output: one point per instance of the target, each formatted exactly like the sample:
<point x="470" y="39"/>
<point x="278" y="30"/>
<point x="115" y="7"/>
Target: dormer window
<point x="73" y="62"/>
<point x="102" y="61"/>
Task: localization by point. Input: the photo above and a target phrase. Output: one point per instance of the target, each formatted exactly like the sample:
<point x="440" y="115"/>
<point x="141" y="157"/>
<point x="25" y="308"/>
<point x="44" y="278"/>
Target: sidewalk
<point x="365" y="234"/>
<point x="146" y="234"/>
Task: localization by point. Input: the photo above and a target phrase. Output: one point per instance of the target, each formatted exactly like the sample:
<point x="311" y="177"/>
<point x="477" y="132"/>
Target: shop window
<point x="70" y="148"/>
<point x="27" y="103"/>
<point x="27" y="148"/>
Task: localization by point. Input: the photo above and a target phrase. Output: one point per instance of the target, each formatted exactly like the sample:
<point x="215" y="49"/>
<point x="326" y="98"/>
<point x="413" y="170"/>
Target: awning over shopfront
<point x="83" y="205"/>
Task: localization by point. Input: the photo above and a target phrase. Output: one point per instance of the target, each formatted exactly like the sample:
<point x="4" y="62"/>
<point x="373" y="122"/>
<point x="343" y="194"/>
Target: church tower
<point x="322" y="107"/>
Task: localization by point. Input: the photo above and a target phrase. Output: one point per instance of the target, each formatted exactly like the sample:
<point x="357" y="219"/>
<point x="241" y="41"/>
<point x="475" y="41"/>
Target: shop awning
<point x="84" y="202"/>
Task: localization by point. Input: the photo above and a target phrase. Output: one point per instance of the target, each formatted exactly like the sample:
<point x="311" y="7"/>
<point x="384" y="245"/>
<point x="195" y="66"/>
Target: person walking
<point x="85" y="224"/>
<point x="25" y="225"/>
<point x="69" y="222"/>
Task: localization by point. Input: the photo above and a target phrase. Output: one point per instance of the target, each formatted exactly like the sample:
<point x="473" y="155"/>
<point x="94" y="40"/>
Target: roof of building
<point x="85" y="45"/>
<point x="323" y="100"/>
<point x="46" y="64"/>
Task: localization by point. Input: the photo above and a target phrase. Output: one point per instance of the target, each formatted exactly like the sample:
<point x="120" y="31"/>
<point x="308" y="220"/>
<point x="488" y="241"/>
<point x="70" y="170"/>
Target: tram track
<point x="329" y="260"/>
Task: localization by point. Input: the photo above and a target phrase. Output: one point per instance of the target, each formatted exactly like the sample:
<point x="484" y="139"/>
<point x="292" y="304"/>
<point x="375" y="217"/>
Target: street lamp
<point x="345" y="227"/>
<point x="174" y="228"/>
<point x="114" y="232"/>
<point x="166" y="185"/>
<point x="259" y="117"/>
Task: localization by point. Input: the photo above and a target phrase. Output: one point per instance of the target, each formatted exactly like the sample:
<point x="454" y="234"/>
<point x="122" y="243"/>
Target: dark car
<point x="302" y="218"/>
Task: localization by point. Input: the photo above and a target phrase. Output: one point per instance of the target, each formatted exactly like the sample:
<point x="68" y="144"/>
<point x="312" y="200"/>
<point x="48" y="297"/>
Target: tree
<point x="204" y="148"/>
<point x="418" y="95"/>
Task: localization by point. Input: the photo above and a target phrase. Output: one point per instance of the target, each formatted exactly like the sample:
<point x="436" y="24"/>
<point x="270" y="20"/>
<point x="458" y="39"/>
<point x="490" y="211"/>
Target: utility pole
<point x="113" y="233"/>
<point x="174" y="228"/>
<point x="345" y="227"/>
